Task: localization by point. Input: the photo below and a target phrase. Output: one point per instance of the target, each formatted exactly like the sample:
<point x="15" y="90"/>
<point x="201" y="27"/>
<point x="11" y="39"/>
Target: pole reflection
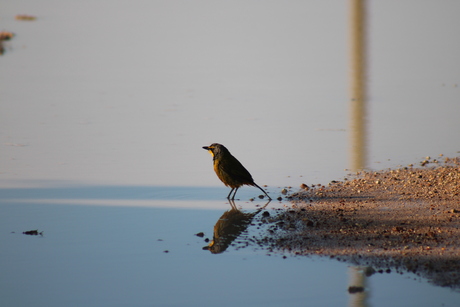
<point x="358" y="290"/>
<point x="357" y="107"/>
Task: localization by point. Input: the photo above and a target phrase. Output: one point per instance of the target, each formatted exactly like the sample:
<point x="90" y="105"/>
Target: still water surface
<point x="105" y="106"/>
<point x="94" y="255"/>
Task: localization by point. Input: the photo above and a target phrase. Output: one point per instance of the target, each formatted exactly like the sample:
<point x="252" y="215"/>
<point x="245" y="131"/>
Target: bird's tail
<point x="262" y="191"/>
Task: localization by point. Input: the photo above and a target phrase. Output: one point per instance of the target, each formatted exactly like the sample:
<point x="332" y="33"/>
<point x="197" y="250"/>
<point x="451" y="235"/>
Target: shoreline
<point x="405" y="219"/>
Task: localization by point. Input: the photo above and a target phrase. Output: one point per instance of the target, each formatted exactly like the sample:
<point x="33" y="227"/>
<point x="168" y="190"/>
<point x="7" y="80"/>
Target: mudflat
<point x="405" y="219"/>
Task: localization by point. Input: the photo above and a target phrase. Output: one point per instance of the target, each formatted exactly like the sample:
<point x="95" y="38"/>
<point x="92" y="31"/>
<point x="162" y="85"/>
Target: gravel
<point x="406" y="220"/>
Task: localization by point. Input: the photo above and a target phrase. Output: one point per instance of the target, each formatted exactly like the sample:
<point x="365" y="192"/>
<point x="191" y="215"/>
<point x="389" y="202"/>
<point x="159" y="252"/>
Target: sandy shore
<point x="404" y="220"/>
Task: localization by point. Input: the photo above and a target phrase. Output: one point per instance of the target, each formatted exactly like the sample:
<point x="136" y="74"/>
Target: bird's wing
<point x="235" y="170"/>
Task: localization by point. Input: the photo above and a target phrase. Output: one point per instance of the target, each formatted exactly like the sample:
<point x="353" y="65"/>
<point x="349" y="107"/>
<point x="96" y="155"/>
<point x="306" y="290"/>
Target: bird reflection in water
<point x="229" y="227"/>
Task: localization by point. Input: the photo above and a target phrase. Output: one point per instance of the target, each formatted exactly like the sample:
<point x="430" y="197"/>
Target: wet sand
<point x="404" y="220"/>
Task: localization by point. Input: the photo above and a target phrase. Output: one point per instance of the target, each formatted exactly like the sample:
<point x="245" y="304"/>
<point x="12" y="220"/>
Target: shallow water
<point x="105" y="107"/>
<point x="129" y="255"/>
<point x="128" y="246"/>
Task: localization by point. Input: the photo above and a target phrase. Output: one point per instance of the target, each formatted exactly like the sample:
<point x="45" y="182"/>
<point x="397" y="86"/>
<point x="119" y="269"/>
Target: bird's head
<point x="215" y="149"/>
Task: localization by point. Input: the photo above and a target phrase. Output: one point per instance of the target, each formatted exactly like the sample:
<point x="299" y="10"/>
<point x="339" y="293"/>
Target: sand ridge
<point x="406" y="219"/>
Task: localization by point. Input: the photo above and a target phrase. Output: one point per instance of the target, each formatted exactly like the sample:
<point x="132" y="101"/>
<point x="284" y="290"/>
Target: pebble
<point x="304" y="186"/>
<point x="6" y="35"/>
<point x="25" y="17"/>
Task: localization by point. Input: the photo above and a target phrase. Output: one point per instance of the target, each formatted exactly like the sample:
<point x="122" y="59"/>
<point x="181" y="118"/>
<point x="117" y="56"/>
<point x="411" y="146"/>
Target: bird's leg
<point x="234" y="194"/>
<point x="228" y="196"/>
<point x="232" y="204"/>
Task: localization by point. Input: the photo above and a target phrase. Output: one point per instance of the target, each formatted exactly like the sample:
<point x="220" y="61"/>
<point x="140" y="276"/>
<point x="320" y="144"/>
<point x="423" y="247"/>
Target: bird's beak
<point x="209" y="149"/>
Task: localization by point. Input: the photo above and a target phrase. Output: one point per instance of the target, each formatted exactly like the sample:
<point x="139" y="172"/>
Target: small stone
<point x="5" y="35"/>
<point x="25" y="17"/>
<point x="33" y="232"/>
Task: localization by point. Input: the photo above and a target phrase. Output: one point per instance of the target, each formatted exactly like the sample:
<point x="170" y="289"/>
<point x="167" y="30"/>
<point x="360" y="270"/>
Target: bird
<point x="229" y="170"/>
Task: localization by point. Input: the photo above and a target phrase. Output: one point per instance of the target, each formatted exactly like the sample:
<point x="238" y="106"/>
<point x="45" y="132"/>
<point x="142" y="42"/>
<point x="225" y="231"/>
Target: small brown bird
<point x="229" y="170"/>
